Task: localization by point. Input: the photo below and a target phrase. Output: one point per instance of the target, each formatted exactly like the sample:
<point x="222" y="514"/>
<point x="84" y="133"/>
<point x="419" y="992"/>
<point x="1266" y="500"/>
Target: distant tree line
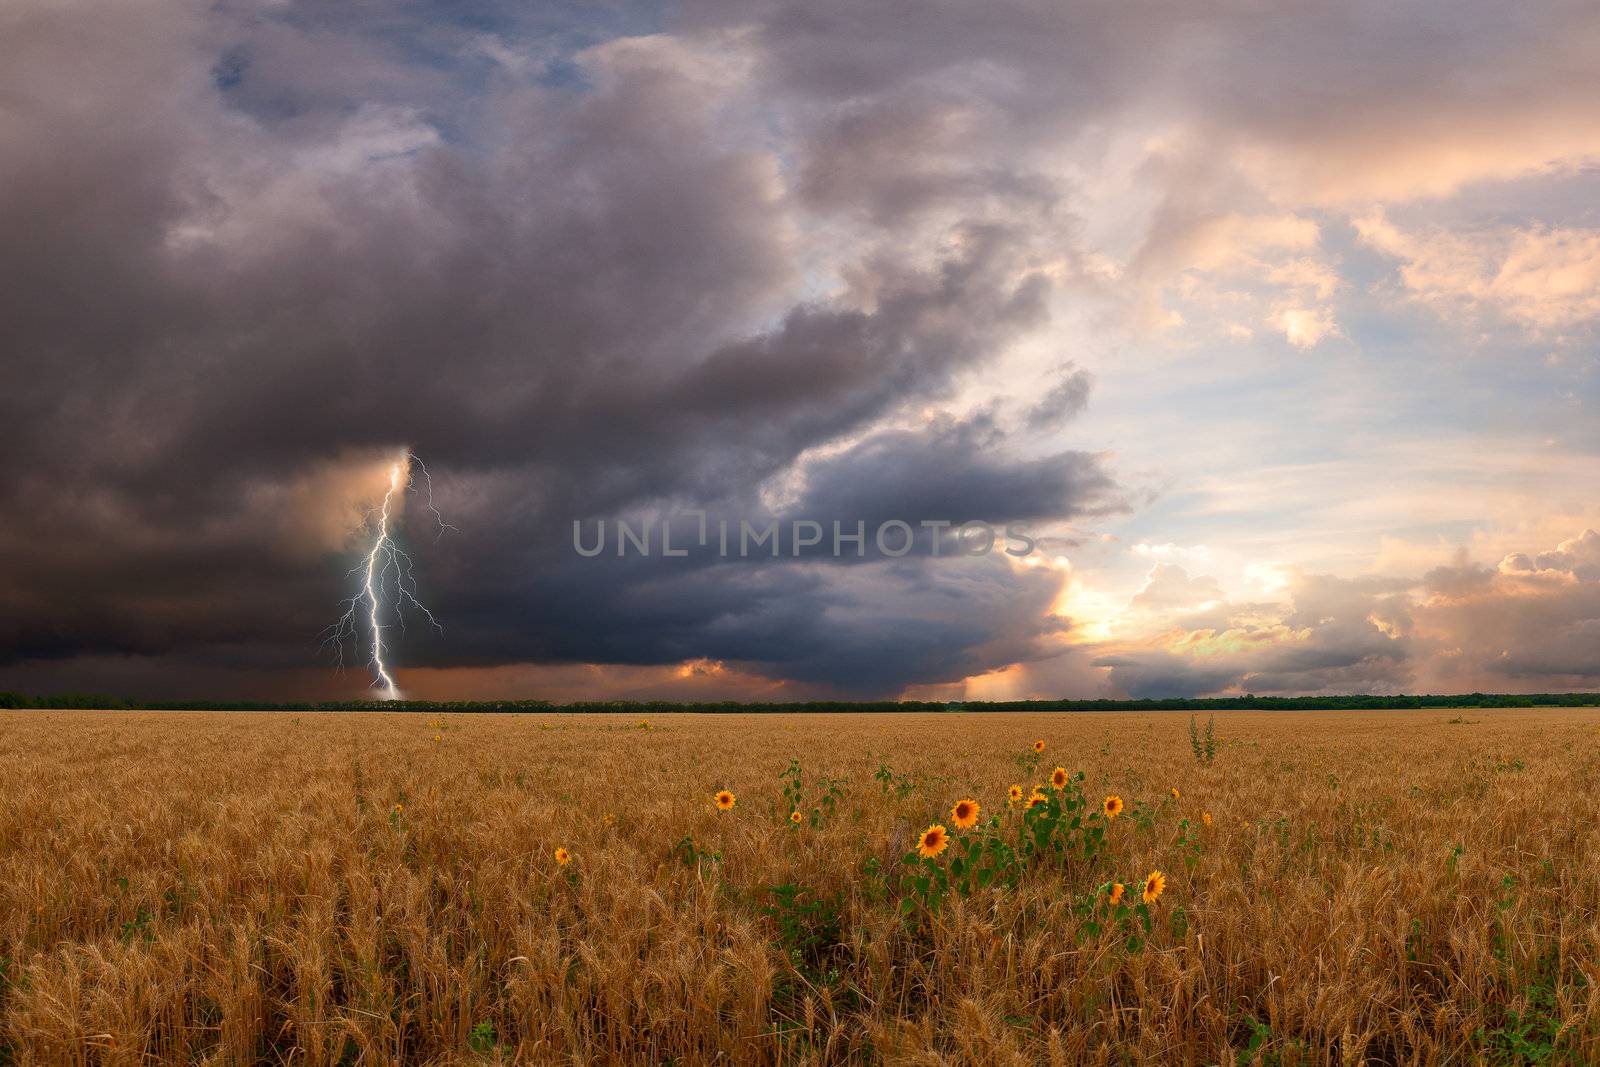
<point x="1353" y="702"/>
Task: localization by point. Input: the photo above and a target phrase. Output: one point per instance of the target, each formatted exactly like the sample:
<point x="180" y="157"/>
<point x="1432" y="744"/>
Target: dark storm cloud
<point x="1155" y="673"/>
<point x="230" y="261"/>
<point x="954" y="470"/>
<point x="1065" y="399"/>
<point x="865" y="623"/>
<point x="872" y="629"/>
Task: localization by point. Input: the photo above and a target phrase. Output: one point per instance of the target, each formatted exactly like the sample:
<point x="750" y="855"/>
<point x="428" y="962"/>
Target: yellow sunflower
<point x="725" y="800"/>
<point x="796" y="818"/>
<point x="1154" y="883"/>
<point x="1036" y="800"/>
<point x="608" y="819"/>
<point x="1058" y="778"/>
<point x="1115" y="896"/>
<point x="563" y="857"/>
<point x="1014" y="794"/>
<point x="1038" y="746"/>
<point x="1112" y="807"/>
<point x="965" y="814"/>
<point x="1175" y="794"/>
<point x="935" y="839"/>
<point x="1205" y="817"/>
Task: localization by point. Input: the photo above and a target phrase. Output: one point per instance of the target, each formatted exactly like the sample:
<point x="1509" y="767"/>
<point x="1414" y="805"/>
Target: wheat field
<point x="228" y="888"/>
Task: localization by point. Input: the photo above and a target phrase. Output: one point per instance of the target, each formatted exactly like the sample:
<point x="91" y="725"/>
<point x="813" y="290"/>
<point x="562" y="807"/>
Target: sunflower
<point x="399" y="808"/>
<point x="965" y="814"/>
<point x="1205" y="817"/>
<point x="1154" y="883"/>
<point x="725" y="800"/>
<point x="1038" y="746"/>
<point x="935" y="839"/>
<point x="1058" y="778"/>
<point x="1115" y="896"/>
<point x="1112" y="806"/>
<point x="608" y="819"/>
<point x="1014" y="794"/>
<point x="563" y="857"/>
<point x="1038" y="799"/>
<point x="1175" y="794"/>
<point x="796" y="818"/>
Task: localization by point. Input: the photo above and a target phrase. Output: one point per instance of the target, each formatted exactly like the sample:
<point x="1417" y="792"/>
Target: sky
<point x="1275" y="323"/>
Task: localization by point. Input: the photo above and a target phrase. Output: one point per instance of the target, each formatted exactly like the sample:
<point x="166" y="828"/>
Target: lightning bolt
<point x="384" y="572"/>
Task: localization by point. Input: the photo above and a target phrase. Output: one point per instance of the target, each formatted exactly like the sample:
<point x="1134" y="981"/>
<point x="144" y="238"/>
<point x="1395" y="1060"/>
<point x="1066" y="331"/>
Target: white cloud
<point x="1540" y="277"/>
<point x="1226" y="274"/>
<point x="1305" y="327"/>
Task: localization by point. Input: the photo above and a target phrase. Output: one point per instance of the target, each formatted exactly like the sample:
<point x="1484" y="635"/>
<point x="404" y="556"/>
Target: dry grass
<point x="232" y="888"/>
